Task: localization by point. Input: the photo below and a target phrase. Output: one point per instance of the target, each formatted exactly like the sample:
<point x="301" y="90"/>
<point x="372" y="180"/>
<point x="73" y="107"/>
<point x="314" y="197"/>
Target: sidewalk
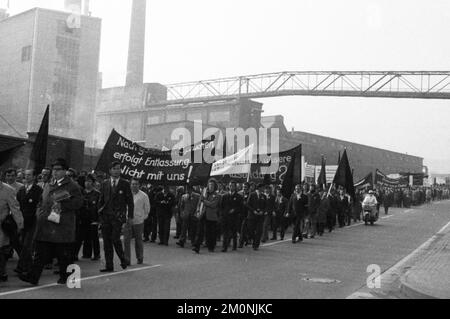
<point x="429" y="277"/>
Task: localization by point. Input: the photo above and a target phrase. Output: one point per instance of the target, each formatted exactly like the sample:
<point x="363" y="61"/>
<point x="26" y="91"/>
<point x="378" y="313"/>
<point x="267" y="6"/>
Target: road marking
<point x="276" y="243"/>
<point x="82" y="279"/>
<point x="361" y="295"/>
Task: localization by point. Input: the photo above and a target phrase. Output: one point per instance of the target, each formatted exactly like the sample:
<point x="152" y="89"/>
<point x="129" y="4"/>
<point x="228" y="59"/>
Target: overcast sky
<point x="204" y="39"/>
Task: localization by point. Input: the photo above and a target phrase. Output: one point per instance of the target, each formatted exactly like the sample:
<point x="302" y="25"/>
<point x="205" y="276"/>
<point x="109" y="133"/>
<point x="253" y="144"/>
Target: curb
<point x="405" y="287"/>
<point x="413" y="293"/>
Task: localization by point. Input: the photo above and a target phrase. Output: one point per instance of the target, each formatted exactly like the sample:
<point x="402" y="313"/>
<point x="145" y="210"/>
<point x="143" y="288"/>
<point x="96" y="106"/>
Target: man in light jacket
<point x="8" y="205"/>
<point x="135" y="227"/>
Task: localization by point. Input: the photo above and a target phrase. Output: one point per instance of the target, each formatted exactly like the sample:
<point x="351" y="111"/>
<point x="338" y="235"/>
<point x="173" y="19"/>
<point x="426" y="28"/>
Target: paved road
<point x="278" y="270"/>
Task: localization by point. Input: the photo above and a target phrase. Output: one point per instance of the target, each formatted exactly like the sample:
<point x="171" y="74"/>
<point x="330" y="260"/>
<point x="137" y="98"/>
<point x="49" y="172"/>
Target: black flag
<point x="38" y="155"/>
<point x="344" y="176"/>
<point x="287" y="187"/>
<point x="322" y="180"/>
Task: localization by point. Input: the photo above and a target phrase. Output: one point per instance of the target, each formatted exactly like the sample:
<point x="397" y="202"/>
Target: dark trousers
<point x="192" y="228"/>
<point x="151" y="227"/>
<point x="4" y="251"/>
<point x="44" y="251"/>
<point x="386" y="210"/>
<point x="81" y="230"/>
<point x="199" y="233"/>
<point x="331" y="218"/>
<point x="266" y="227"/>
<point x="320" y="228"/>
<point x="231" y="228"/>
<point x="282" y="224"/>
<point x="220" y="230"/>
<point x="277" y="226"/>
<point x="26" y="255"/>
<point x="184" y="229"/>
<point x="111" y="232"/>
<point x="297" y="232"/>
<point x="178" y="225"/>
<point x="211" y="234"/>
<point x="341" y="218"/>
<point x="15" y="244"/>
<point x="164" y="228"/>
<point x="243" y="232"/>
<point x="255" y="227"/>
<point x="348" y="217"/>
<point x="91" y="243"/>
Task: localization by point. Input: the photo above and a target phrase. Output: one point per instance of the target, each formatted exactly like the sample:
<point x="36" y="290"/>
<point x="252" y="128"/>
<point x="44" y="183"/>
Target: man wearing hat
<point x="55" y="230"/>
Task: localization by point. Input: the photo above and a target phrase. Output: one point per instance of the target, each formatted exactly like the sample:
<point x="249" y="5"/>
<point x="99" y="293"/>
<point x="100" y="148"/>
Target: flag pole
<point x="329" y="190"/>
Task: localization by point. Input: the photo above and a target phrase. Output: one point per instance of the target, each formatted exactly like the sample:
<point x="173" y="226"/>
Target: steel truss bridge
<point x="381" y="84"/>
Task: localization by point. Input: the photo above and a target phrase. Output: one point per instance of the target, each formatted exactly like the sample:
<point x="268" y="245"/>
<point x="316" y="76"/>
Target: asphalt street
<point x="332" y="266"/>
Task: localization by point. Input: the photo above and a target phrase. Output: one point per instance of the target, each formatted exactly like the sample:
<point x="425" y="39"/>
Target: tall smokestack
<point x="136" y="49"/>
<point x="86" y="10"/>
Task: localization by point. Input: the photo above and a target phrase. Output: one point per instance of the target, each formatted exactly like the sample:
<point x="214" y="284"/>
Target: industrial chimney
<point x="136" y="49"/>
<point x="77" y="6"/>
<point x="4" y="10"/>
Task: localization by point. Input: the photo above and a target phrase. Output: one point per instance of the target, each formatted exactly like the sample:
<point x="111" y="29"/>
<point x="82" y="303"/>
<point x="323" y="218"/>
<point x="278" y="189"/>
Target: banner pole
<point x="329" y="190"/>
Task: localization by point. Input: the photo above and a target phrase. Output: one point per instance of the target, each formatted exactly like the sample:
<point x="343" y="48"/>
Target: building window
<point x="222" y="118"/>
<point x="195" y="116"/>
<point x="175" y="116"/>
<point x="154" y="120"/>
<point x="26" y="53"/>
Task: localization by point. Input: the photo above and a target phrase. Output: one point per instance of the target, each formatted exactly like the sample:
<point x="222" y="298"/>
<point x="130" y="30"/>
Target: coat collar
<point x="64" y="181"/>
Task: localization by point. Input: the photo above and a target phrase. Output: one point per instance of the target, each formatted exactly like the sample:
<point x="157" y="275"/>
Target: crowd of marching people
<point x="60" y="214"/>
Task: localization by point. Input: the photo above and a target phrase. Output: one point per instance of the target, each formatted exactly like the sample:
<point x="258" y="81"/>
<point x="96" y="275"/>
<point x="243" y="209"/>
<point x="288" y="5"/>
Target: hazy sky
<point x="203" y="39"/>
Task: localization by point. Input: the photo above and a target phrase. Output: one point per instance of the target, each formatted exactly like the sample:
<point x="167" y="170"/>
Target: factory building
<point x="51" y="58"/>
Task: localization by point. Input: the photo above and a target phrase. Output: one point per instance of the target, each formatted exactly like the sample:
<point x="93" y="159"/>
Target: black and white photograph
<point x="225" y="156"/>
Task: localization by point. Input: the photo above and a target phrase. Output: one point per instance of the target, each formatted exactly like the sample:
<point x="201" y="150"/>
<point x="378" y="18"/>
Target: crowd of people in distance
<point x="60" y="213"/>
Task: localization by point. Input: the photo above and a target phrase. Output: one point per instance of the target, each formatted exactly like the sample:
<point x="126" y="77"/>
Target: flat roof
<point x="356" y="144"/>
<point x="33" y="10"/>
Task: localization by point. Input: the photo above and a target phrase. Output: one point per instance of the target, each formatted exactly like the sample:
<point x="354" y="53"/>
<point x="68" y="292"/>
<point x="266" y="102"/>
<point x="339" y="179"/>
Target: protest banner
<point x="150" y="165"/>
<point x="239" y="163"/>
<point x="384" y="181"/>
<point x="261" y="171"/>
<point x="365" y="182"/>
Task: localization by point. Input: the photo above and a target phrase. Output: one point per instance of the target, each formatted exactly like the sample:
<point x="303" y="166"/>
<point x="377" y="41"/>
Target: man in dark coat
<point x="298" y="205"/>
<point x="164" y="201"/>
<point x="151" y="223"/>
<point x="244" y="234"/>
<point x="28" y="197"/>
<point x="313" y="205"/>
<point x="188" y="207"/>
<point x="388" y="199"/>
<point x="90" y="220"/>
<point x="333" y="211"/>
<point x="257" y="207"/>
<point x="55" y="230"/>
<point x="270" y="209"/>
<point x="281" y="219"/>
<point x="116" y="208"/>
<point x="322" y="212"/>
<point x="231" y="206"/>
<point x="343" y="207"/>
